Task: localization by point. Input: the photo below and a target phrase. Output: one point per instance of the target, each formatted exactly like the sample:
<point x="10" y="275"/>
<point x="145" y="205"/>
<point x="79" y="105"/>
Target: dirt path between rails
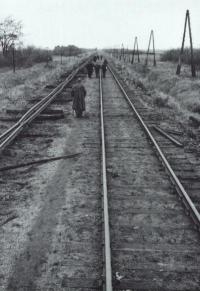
<point x="67" y="224"/>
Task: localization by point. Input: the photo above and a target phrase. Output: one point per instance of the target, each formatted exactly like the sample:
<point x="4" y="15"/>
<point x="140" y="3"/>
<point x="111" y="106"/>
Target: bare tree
<point x="10" y="30"/>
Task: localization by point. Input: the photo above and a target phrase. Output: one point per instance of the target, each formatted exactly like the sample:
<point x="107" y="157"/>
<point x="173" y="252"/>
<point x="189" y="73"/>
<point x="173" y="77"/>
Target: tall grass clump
<point x="161" y="101"/>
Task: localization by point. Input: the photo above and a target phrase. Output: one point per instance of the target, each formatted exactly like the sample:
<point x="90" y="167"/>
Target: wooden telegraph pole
<point x="127" y="55"/>
<point x="61" y="55"/>
<point x="112" y="52"/>
<point x="13" y="56"/>
<point x="193" y="70"/>
<point x="120" y="56"/>
<point x="122" y="52"/>
<point x="151" y="38"/>
<point x="135" y="51"/>
<point x="13" y="37"/>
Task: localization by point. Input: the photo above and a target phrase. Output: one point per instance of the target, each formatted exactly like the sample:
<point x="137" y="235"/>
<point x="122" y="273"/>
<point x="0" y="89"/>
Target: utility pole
<point x="193" y="69"/>
<point x="122" y="52"/>
<point x="127" y="55"/>
<point x="61" y="55"/>
<point x="135" y="51"/>
<point x="13" y="56"/>
<point x="118" y="54"/>
<point x="151" y="39"/>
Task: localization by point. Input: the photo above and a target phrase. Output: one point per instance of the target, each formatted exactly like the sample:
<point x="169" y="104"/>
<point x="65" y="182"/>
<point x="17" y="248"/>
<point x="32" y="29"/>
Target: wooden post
<point x="154" y="53"/>
<point x="13" y="56"/>
<point x="133" y="54"/>
<point x="127" y="55"/>
<point x="178" y="70"/>
<point x="135" y="51"/>
<point x="61" y="55"/>
<point x="148" y="50"/>
<point x="123" y="52"/>
<point x="193" y="69"/>
<point x="146" y="62"/>
<point x="138" y="54"/>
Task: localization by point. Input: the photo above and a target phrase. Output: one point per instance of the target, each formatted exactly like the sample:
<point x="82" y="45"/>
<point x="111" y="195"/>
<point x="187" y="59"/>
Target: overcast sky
<point x="103" y="23"/>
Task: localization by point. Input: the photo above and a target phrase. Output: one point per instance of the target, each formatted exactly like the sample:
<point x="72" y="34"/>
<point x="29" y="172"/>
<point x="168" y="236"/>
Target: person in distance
<point x="104" y="67"/>
<point x="78" y="96"/>
<point x="97" y="66"/>
<point x="89" y="68"/>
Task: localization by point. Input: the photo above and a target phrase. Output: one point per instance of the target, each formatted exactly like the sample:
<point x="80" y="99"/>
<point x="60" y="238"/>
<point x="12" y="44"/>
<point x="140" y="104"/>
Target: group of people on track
<point x="79" y="92"/>
<point x="96" y="64"/>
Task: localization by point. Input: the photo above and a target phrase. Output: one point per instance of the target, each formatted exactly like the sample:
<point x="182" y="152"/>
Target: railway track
<point x="153" y="244"/>
<point x="9" y="135"/>
<point x="149" y="243"/>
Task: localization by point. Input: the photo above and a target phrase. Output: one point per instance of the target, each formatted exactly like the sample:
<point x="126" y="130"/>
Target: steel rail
<point x="28" y="116"/>
<point x="172" y="139"/>
<point x="107" y="250"/>
<point x="33" y="108"/>
<point x="8" y="136"/>
<point x="192" y="211"/>
<point x="22" y="124"/>
<point x="41" y="102"/>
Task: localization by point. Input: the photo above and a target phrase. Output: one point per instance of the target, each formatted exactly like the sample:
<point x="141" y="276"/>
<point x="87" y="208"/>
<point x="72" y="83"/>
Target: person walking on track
<point x="78" y="96"/>
<point x="89" y="68"/>
<point x="104" y="67"/>
<point x="97" y="66"/>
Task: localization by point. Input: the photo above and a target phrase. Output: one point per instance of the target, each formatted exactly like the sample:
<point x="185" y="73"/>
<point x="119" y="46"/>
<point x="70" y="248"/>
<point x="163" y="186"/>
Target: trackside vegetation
<point x="173" y="56"/>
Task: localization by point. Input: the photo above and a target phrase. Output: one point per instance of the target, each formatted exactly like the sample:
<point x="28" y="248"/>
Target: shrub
<point x="161" y="101"/>
<point x="195" y="108"/>
<point x="4" y="62"/>
<point x="30" y="55"/>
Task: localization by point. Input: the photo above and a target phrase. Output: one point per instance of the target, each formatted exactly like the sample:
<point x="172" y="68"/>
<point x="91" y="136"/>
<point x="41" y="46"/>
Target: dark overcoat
<point x="78" y="96"/>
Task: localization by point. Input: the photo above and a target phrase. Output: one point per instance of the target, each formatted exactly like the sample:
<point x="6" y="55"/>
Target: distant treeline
<point x="70" y="50"/>
<point x="173" y="56"/>
<point x="26" y="57"/>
